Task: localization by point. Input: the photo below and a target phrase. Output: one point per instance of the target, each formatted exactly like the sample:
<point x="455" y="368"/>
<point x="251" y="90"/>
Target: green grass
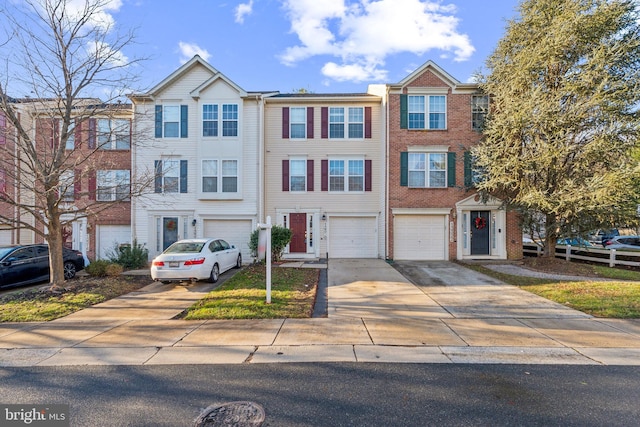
<point x="44" y="304"/>
<point x="612" y="299"/>
<point x="601" y="299"/>
<point x="243" y="296"/>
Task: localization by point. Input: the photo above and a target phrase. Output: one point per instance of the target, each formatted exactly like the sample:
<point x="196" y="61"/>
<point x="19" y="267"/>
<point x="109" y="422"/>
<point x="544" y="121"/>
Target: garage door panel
<point x="236" y="232"/>
<point x="353" y="237"/>
<point x="419" y="237"/>
<point x="110" y="236"/>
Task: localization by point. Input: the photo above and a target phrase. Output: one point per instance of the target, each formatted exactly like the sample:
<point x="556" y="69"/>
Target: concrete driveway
<point x="372" y="288"/>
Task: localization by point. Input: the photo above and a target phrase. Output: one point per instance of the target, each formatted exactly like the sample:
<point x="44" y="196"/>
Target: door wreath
<point x="171" y="225"/>
<point x="480" y="223"/>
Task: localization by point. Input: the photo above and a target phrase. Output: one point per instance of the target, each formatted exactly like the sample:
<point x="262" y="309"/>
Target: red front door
<point x="298" y="227"/>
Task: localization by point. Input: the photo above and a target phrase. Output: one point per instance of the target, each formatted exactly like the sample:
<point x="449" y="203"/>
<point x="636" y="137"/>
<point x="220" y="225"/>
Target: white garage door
<point x="353" y="237"/>
<point x="419" y="237"/>
<point x="236" y="232"/>
<point x="111" y="235"/>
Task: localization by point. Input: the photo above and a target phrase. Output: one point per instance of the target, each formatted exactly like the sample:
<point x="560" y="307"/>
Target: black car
<point x="27" y="264"/>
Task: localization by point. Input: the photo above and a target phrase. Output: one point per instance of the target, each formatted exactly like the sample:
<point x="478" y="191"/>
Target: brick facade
<point x="457" y="138"/>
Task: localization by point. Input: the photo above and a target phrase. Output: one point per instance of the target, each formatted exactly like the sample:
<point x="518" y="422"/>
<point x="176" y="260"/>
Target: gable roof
<point x="218" y="76"/>
<point x="447" y="78"/>
<point x="434" y="68"/>
<point x="171" y="78"/>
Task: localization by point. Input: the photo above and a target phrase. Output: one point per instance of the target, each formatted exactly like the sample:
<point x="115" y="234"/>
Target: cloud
<point x="242" y="10"/>
<point x="362" y="33"/>
<point x="188" y="50"/>
<point x="353" y="72"/>
<point x="100" y="17"/>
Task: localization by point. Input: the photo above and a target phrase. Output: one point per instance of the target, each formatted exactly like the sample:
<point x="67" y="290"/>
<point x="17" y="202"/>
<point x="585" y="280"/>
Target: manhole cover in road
<point x="240" y="414"/>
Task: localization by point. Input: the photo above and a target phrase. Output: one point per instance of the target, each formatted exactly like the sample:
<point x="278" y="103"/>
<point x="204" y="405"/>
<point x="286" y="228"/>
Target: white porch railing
<point x="612" y="257"/>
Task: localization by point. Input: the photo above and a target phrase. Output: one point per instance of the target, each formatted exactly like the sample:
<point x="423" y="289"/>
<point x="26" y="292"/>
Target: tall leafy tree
<point x="564" y="83"/>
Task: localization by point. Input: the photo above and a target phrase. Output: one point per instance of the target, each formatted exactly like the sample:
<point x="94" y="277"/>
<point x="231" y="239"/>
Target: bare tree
<point x="68" y="59"/>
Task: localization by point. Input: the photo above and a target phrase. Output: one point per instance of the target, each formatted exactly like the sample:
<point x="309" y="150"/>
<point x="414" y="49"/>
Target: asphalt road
<point x="337" y="394"/>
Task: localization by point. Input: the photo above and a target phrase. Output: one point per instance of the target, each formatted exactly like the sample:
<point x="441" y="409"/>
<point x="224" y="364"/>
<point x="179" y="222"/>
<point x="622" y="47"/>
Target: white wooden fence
<point x="612" y="257"/>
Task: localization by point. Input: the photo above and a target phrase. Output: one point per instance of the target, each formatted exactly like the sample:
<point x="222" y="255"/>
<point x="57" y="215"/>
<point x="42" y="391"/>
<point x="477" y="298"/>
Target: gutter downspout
<point x="134" y="172"/>
<point x="261" y="148"/>
<point x="388" y="217"/>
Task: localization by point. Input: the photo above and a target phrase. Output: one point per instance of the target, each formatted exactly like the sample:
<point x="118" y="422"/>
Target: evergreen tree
<point x="564" y="83"/>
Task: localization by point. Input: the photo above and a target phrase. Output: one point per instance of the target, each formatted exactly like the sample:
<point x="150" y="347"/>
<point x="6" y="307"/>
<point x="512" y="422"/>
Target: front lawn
<point x="614" y="299"/>
<point x="42" y="303"/>
<point x="243" y="296"/>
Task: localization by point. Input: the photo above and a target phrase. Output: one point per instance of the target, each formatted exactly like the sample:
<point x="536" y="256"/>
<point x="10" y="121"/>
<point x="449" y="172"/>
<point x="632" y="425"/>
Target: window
<point x="336" y="122"/>
<point x="210" y="120"/>
<point x="112" y="185"/>
<point x="229" y="176"/>
<point x="171" y="121"/>
<point x="427" y="170"/>
<point x="346" y="175"/>
<point x="215" y="171"/>
<point x="168" y="176"/>
<point x="345" y="122"/>
<point x="479" y="111"/>
<point x="298" y="175"/>
<point x="298" y="122"/>
<point x="229" y="119"/>
<point x="70" y="144"/>
<point x="356" y="122"/>
<point x="427" y="112"/>
<point x="66" y="186"/>
<point x="352" y="125"/>
<point x="209" y="176"/>
<point x="114" y="134"/>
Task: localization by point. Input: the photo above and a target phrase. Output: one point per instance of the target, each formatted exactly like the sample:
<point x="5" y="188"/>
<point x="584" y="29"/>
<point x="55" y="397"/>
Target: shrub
<point x="113" y="270"/>
<point x="130" y="257"/>
<point x="280" y="238"/>
<point x="97" y="268"/>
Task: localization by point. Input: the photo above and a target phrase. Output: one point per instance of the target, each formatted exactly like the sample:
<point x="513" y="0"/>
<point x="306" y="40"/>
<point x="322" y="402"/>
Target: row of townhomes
<point x="382" y="174"/>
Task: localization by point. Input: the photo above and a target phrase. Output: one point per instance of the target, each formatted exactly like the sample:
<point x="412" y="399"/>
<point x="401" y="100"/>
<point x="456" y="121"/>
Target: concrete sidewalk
<point x="375" y="314"/>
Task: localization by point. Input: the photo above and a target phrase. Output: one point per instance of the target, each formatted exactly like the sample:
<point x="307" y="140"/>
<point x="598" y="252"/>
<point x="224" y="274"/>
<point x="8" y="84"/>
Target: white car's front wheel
<point x="215" y="273"/>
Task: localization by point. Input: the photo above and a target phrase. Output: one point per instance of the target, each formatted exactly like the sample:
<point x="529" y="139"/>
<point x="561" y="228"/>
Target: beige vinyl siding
<point x="367" y="203"/>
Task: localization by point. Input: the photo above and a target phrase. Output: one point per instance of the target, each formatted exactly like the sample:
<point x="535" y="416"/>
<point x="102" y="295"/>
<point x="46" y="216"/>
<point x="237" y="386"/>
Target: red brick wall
<point x="459" y="137"/>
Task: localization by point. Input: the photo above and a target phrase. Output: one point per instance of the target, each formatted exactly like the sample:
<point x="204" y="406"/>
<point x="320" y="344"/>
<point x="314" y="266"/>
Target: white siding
<point x="195" y="205"/>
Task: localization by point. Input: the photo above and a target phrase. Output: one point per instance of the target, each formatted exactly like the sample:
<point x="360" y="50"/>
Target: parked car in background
<point x="27" y="264"/>
<point x="603" y="235"/>
<point x="195" y="259"/>
<point x="623" y="242"/>
<point x="574" y="241"/>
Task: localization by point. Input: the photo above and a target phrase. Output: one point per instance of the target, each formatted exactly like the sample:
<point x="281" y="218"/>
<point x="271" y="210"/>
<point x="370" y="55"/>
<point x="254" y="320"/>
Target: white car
<point x="195" y="259"/>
